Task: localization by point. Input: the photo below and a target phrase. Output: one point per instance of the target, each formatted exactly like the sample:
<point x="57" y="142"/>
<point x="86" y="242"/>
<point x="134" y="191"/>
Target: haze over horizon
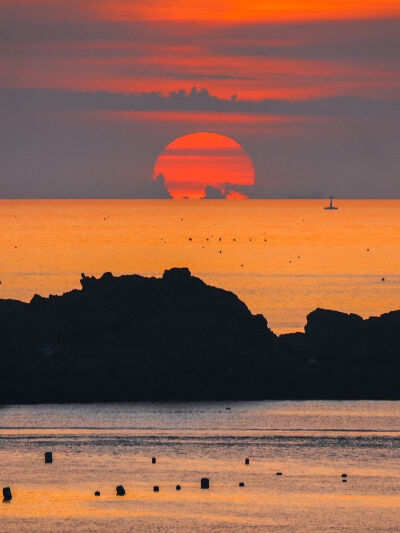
<point x="93" y="92"/>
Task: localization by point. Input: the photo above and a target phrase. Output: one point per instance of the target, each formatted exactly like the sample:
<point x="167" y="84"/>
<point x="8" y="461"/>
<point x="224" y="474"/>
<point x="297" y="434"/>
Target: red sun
<point x="196" y="161"/>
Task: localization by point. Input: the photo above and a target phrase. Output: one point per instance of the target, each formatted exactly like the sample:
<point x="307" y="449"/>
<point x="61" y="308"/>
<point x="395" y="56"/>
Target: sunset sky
<point x="92" y="91"/>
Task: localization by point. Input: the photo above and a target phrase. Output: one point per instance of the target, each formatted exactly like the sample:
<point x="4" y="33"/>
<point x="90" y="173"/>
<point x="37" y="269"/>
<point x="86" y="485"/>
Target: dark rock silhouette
<point x="213" y="193"/>
<point x="120" y="490"/>
<point x="133" y="338"/>
<point x="344" y="356"/>
<point x="7" y="495"/>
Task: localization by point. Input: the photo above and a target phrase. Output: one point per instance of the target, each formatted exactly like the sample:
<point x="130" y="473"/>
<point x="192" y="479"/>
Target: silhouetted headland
<point x="133" y="338"/>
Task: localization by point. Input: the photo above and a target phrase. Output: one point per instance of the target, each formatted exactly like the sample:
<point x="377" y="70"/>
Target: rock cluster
<point x="134" y="338"/>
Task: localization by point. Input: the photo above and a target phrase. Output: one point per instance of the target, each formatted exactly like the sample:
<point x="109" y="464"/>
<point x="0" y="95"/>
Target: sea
<point x="283" y="258"/>
<point x="96" y="447"/>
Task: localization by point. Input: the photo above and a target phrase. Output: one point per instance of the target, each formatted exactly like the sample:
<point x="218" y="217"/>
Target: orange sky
<point x="288" y="49"/>
<point x="334" y="62"/>
<point x="240" y="10"/>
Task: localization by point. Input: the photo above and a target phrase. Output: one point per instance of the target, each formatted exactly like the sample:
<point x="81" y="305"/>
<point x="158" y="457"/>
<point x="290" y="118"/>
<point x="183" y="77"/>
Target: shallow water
<point x="299" y="257"/>
<point x="97" y="447"/>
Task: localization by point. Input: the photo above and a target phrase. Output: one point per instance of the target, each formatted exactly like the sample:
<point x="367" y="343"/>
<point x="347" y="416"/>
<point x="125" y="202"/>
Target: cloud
<point x="251" y="191"/>
<point x="340" y="40"/>
<point x="196" y="100"/>
<point x="213" y="193"/>
<point x="151" y="189"/>
<point x="65" y="44"/>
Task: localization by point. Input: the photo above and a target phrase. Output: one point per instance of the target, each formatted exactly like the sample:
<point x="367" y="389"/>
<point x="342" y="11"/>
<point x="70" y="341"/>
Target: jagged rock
<point x="137" y="338"/>
<point x="7" y="495"/>
<point x="120" y="490"/>
<point x="324" y="322"/>
<point x="132" y="338"/>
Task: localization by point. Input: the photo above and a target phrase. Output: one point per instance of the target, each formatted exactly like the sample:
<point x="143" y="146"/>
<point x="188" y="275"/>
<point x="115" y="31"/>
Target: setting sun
<point x="196" y="161"/>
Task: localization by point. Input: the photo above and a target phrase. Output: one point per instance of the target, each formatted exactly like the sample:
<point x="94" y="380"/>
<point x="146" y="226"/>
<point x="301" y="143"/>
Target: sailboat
<point x="331" y="206"/>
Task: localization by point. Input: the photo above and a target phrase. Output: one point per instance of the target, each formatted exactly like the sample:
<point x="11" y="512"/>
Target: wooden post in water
<point x="7" y="496"/>
<point x="48" y="457"/>
<point x="205" y="483"/>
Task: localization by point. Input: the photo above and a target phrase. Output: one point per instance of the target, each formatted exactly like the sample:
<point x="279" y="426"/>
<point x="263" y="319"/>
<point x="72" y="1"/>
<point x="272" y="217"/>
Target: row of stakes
<point x="204" y="482"/>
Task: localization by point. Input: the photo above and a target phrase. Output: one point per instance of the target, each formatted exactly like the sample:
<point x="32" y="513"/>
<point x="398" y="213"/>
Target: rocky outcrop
<point x="134" y="338"/>
<point x="343" y="356"/>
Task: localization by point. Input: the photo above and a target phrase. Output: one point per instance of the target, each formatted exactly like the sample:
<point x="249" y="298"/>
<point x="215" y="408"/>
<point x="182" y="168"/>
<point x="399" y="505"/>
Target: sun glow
<point x="196" y="161"/>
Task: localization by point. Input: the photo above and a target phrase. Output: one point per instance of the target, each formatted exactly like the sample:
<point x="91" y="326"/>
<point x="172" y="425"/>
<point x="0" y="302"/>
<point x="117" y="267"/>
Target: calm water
<point x="299" y="256"/>
<point x="97" y="447"/>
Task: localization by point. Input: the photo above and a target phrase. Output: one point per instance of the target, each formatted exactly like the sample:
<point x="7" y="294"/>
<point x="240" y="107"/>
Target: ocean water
<point x="284" y="258"/>
<point x="96" y="447"/>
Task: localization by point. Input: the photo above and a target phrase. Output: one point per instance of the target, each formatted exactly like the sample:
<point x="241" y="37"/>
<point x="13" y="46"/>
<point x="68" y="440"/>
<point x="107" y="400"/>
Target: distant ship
<point x="331" y="206"/>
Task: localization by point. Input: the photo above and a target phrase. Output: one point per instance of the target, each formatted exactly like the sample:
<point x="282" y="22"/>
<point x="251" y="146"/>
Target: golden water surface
<point x="282" y="257"/>
<point x="96" y="447"/>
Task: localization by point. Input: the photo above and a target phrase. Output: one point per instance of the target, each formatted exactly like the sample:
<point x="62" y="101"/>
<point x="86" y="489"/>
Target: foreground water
<point x="284" y="258"/>
<point x="97" y="447"/>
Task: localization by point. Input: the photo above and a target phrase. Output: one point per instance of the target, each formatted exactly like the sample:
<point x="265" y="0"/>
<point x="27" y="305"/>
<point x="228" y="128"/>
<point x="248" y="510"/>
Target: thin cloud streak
<point x="195" y="100"/>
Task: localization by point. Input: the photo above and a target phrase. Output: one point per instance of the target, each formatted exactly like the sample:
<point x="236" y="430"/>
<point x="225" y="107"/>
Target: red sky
<point x="295" y="53"/>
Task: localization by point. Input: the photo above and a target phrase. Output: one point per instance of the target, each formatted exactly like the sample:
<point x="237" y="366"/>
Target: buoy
<point x="178" y="487"/>
<point x="153" y="460"/>
<point x="156" y="488"/>
<point x="205" y="483"/>
<point x="120" y="490"/>
<point x="7" y="496"/>
<point x="97" y="493"/>
<point x="48" y="457"/>
<point x="247" y="461"/>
